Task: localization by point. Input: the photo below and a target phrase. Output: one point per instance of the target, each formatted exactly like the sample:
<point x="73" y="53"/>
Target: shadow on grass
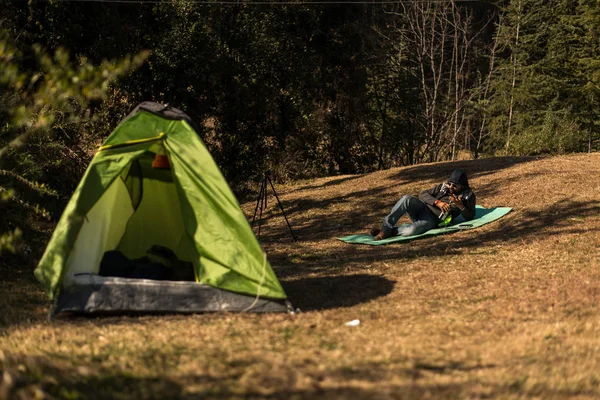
<point x="40" y="377"/>
<point x="313" y="294"/>
<point x="329" y="183"/>
<point x="473" y="168"/>
<point x="37" y="377"/>
<point x="369" y="204"/>
<point x="373" y="204"/>
<point x="253" y="195"/>
<point x="22" y="299"/>
<point x="561" y="218"/>
<point x="43" y="377"/>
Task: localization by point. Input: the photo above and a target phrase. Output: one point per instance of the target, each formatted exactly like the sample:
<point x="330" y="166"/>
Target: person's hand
<point x="454" y="199"/>
<point x="445" y="207"/>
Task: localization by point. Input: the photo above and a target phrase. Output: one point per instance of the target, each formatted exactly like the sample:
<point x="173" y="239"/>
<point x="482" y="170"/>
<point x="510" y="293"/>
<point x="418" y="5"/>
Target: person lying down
<point x="434" y="207"/>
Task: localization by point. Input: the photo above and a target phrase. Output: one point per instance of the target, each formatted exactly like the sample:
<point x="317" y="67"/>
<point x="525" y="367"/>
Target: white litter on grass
<point x="354" y="322"/>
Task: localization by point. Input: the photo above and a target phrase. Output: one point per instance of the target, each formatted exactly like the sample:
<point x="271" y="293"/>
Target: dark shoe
<point x="375" y="231"/>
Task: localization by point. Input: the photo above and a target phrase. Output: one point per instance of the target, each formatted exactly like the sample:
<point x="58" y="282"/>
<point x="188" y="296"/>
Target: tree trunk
<point x="514" y="79"/>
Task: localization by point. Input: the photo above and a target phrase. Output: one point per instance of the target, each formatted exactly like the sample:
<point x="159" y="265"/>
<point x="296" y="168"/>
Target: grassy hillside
<point x="509" y="310"/>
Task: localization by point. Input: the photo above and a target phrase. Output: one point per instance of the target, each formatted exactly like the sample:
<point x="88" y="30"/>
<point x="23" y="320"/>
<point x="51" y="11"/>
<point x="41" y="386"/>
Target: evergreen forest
<point x="299" y="88"/>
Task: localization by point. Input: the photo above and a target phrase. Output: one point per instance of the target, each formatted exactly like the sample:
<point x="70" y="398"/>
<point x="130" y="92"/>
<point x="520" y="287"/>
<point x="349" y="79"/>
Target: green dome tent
<point x="124" y="204"/>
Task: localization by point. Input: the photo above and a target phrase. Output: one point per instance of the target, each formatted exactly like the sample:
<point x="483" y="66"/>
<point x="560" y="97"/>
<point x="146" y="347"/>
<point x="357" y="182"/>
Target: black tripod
<point x="262" y="201"/>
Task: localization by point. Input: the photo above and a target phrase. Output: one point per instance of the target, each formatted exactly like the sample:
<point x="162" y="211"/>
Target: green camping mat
<point x="482" y="217"/>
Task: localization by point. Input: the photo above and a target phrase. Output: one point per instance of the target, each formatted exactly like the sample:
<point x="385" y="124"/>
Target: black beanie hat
<point x="460" y="177"/>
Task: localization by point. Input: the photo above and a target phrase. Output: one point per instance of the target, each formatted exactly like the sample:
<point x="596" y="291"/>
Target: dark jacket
<point x="442" y="192"/>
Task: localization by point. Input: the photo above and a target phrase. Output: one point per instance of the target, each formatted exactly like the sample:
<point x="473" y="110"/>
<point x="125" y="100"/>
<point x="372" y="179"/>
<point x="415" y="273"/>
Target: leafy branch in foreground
<point x="38" y="96"/>
<point x="33" y="99"/>
<point x="9" y="239"/>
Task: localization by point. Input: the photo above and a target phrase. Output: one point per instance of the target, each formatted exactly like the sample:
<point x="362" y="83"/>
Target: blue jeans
<point x="423" y="219"/>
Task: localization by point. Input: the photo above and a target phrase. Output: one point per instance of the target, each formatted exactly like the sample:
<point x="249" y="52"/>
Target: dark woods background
<point x="319" y="89"/>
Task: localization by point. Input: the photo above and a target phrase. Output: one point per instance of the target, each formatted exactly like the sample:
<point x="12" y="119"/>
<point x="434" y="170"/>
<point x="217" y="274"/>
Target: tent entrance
<point x="157" y="217"/>
<point x="154" y="244"/>
<point x="137" y="221"/>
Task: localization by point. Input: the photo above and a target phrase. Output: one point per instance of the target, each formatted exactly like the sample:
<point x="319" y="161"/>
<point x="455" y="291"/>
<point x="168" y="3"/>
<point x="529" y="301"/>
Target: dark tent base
<point x="94" y="294"/>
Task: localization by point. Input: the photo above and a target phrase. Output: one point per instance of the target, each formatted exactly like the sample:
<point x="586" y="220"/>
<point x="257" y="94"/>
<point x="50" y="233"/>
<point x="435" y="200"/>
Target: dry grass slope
<point x="509" y="310"/>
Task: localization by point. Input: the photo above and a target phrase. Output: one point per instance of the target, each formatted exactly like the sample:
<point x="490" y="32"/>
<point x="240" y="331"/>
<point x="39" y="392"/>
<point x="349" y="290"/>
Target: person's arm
<point x="468" y="206"/>
<point x="429" y="196"/>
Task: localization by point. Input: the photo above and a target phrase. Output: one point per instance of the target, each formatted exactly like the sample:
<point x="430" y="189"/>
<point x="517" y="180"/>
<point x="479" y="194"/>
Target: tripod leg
<point x="282" y="210"/>
<point x="260" y="196"/>
<point x="263" y="205"/>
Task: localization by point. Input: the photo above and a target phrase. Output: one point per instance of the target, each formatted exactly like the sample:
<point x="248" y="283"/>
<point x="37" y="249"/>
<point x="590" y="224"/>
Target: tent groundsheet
<point x="482" y="216"/>
<point x="93" y="294"/>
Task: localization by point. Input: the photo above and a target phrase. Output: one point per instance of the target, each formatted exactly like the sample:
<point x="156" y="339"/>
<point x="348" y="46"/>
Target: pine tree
<point x="544" y="88"/>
